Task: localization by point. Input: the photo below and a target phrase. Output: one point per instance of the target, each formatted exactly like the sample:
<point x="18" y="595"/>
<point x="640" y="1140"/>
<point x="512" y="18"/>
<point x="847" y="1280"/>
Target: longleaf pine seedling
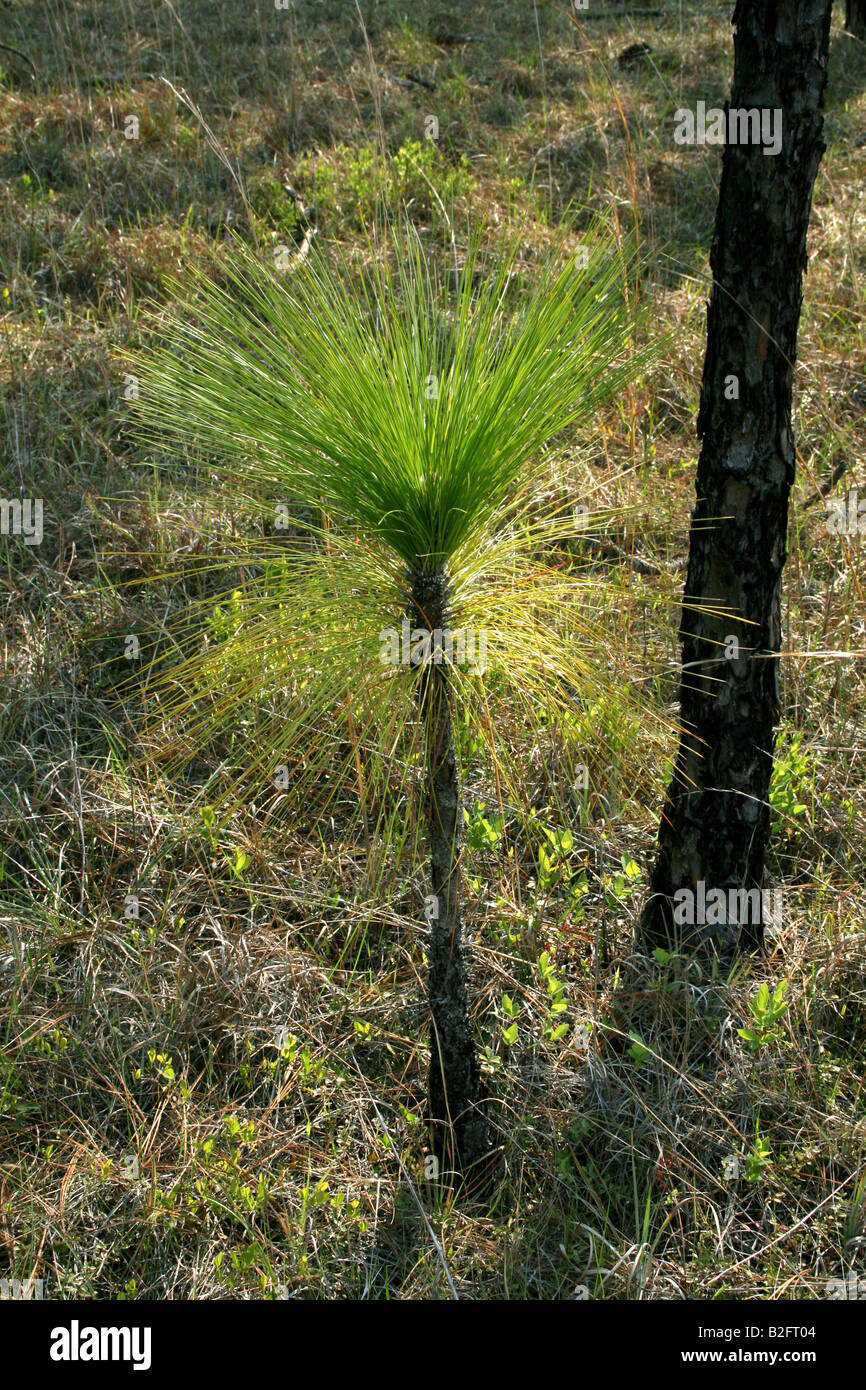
<point x="380" y="428"/>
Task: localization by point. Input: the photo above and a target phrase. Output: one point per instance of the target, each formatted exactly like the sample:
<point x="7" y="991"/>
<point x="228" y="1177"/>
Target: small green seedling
<point x="557" y="1002"/>
<point x="239" y="864"/>
<point x="511" y="1011"/>
<point x="619" y="887"/>
<point x="758" y="1159"/>
<point x="482" y="833"/>
<point x="208" y="816"/>
<point x="766" y="1009"/>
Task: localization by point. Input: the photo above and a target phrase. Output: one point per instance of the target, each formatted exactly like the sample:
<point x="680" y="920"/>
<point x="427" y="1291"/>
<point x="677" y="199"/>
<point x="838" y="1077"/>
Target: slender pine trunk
<point x="460" y="1134"/>
<point x="716" y="821"/>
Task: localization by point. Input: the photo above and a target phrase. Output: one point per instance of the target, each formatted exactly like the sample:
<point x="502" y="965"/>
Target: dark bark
<point x="460" y="1136"/>
<point x="716" y="818"/>
<point x="855" y="18"/>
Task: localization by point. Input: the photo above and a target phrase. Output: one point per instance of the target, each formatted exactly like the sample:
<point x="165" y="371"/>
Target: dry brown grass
<point x="119" y="1173"/>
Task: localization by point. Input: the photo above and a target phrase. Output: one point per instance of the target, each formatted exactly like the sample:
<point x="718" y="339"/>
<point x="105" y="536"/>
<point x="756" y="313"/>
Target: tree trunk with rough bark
<point x="460" y="1135"/>
<point x="716" y="818"/>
